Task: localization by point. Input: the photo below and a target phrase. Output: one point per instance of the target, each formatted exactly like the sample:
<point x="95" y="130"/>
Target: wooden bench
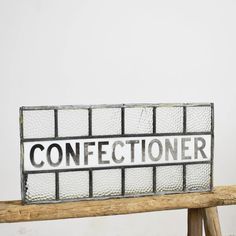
<point x="200" y="206"/>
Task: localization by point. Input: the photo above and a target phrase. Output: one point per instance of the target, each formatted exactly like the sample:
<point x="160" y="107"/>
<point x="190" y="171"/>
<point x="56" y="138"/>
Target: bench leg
<point x="195" y="222"/>
<point x="211" y="221"/>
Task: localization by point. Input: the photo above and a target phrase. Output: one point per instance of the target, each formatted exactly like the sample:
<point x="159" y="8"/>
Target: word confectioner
<point x="122" y="151"/>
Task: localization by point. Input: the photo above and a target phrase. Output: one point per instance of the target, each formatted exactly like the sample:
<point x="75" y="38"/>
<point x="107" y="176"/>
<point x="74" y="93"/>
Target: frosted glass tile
<point x="169" y="119"/>
<point x="198" y="177"/>
<point x="106" y="182"/>
<point x="74" y="184"/>
<point x="73" y="122"/>
<point x="138" y="120"/>
<point x="106" y="121"/>
<point x="199" y="119"/>
<point x="138" y="180"/>
<point x="38" y="124"/>
<point x="40" y="187"/>
<point x="169" y="178"/>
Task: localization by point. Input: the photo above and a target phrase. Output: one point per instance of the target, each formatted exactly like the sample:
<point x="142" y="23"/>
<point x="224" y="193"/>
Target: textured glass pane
<point x="198" y="177"/>
<point x="169" y="178"/>
<point x="198" y="119"/>
<point x="138" y="180"/>
<point x="169" y="119"/>
<point x="73" y="122"/>
<point x="73" y="184"/>
<point x="38" y="124"/>
<point x="106" y="121"/>
<point x="106" y="182"/>
<point x="138" y="120"/>
<point x="40" y="187"/>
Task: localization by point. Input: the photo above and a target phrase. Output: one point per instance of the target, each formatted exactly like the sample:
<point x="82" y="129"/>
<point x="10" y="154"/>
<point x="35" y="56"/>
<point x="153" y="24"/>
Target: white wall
<point x="86" y="52"/>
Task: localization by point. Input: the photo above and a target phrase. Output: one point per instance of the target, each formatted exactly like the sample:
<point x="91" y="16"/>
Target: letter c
<point x="117" y="161"/>
<point x="32" y="160"/>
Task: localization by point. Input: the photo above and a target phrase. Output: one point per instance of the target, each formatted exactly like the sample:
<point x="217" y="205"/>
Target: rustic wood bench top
<point x="14" y="211"/>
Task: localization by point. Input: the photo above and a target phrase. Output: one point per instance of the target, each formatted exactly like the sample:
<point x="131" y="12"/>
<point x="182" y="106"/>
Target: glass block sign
<point x="71" y="153"/>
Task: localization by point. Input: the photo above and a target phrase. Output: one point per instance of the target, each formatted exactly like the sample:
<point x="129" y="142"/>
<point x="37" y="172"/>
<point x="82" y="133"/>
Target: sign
<point x="87" y="152"/>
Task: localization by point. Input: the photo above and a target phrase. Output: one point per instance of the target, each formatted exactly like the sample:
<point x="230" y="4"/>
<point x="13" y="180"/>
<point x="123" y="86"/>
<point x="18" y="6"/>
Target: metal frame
<point x="24" y="174"/>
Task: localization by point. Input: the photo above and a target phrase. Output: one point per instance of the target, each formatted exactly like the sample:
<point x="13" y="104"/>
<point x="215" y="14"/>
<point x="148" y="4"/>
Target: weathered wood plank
<point x="14" y="211"/>
<point x="211" y="221"/>
<point x="195" y="222"/>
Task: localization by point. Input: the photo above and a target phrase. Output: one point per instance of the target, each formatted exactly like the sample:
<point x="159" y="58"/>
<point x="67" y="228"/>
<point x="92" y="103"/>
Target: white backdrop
<point x="87" y="52"/>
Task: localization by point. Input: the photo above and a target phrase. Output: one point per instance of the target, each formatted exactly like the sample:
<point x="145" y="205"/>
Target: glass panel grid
<point x="42" y="186"/>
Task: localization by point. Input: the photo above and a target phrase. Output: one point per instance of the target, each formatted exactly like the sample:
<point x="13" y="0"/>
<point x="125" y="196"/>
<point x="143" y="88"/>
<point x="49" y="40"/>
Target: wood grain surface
<point x="14" y="211"/>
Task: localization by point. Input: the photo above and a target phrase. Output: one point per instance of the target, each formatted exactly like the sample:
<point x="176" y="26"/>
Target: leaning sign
<point x="109" y="151"/>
